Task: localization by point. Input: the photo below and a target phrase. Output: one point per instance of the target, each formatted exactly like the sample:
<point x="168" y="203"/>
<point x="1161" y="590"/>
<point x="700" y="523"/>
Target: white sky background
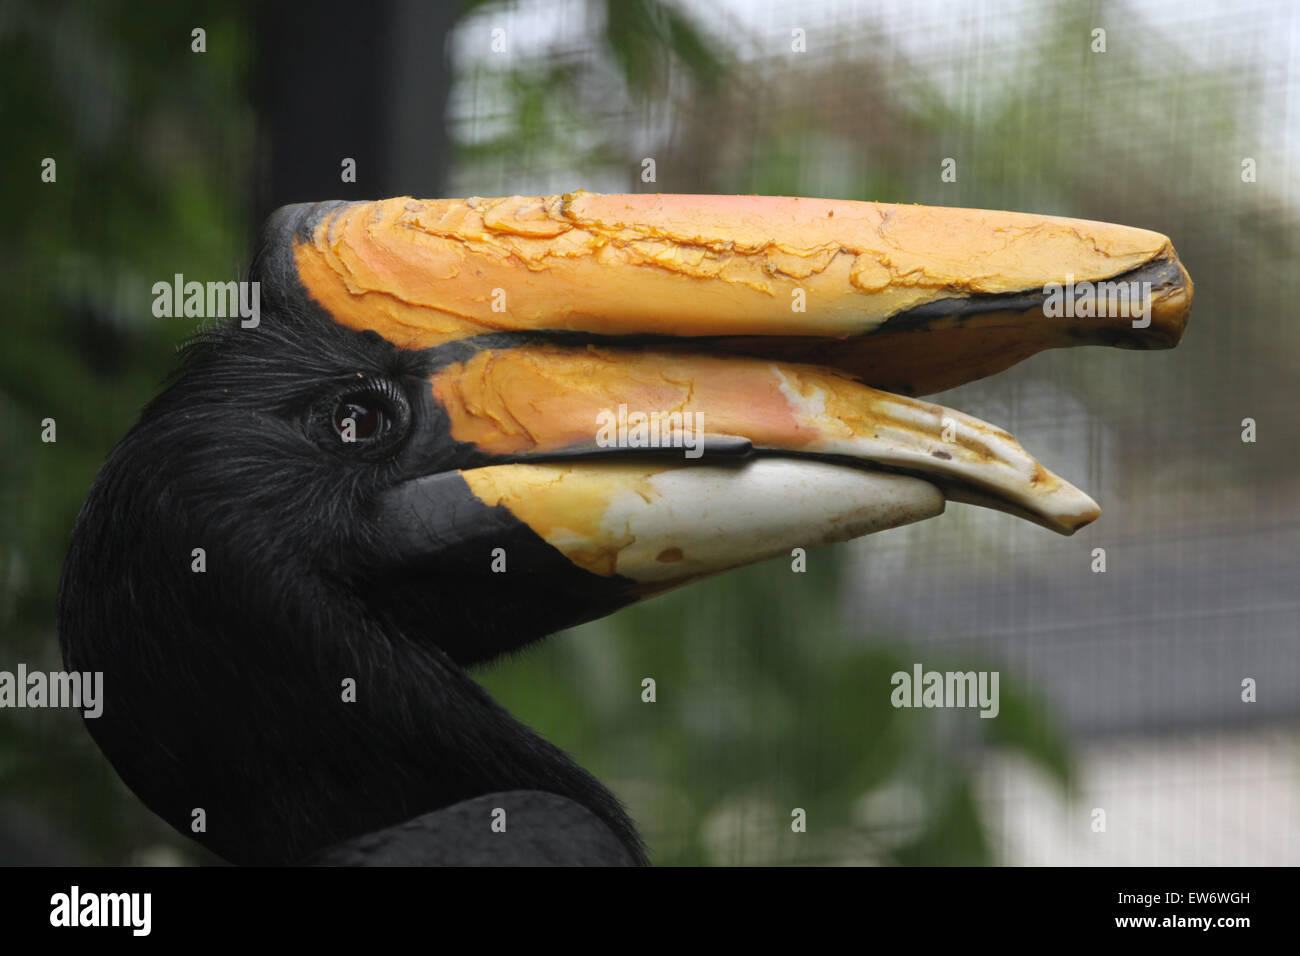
<point x="963" y="45"/>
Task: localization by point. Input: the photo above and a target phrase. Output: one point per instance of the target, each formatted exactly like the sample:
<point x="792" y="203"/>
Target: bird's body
<point x="287" y="567"/>
<point x="538" y="829"/>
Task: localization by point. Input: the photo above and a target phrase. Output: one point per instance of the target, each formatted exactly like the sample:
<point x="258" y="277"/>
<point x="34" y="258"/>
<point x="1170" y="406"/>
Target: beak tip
<point x="1082" y="522"/>
<point x="1174" y="310"/>
<point x="1084" y="513"/>
<point x="1171" y="303"/>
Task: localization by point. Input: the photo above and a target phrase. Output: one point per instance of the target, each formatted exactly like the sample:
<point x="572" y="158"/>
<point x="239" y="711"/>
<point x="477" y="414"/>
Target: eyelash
<point x="381" y="394"/>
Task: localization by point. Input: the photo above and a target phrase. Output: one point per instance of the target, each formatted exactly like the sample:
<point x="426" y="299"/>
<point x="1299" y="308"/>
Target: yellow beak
<point x="748" y="358"/>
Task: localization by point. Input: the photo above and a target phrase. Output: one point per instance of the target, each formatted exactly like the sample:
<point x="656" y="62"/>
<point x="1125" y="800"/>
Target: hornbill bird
<point x="435" y="447"/>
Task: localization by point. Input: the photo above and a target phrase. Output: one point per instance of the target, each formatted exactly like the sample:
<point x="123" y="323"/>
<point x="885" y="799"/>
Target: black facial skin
<point x="224" y="689"/>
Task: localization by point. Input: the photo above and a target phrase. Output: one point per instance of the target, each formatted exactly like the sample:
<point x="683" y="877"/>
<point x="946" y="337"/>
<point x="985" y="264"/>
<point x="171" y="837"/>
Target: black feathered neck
<point x="224" y="689"/>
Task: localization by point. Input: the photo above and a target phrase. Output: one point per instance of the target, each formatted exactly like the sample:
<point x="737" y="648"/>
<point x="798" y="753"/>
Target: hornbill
<point x="400" y="473"/>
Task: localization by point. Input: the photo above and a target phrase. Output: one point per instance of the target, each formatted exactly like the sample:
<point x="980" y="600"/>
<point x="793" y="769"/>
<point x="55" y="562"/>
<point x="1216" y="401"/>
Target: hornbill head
<point x="461" y="425"/>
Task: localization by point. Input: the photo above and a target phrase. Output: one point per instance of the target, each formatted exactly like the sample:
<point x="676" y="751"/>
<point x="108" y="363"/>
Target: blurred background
<point x="1121" y="691"/>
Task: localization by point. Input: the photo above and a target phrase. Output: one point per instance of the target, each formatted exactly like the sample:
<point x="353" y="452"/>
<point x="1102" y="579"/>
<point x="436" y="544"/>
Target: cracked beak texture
<point x="795" y="327"/>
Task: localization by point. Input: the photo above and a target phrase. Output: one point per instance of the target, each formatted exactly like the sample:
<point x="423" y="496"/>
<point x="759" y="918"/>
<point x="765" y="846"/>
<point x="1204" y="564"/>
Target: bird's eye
<point x="357" y="419"/>
<point x="368" y="419"/>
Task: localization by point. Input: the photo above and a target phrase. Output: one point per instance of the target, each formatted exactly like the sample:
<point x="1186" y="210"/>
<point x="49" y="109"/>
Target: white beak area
<point x="663" y="525"/>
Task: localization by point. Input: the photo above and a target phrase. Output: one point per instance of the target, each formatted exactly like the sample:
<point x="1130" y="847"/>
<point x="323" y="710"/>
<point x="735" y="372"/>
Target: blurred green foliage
<point x="767" y="699"/>
<point x="154" y="150"/>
